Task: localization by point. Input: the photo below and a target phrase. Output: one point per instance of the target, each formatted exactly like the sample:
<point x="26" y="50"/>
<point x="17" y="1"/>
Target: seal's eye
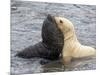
<point x="61" y="21"/>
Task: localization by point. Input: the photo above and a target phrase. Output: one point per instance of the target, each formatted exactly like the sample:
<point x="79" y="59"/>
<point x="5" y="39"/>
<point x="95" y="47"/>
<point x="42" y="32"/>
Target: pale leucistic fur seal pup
<point x="51" y="45"/>
<point x="72" y="47"/>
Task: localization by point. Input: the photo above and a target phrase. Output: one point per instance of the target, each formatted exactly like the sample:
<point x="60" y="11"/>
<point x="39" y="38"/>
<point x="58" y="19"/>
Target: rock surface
<point x="26" y="23"/>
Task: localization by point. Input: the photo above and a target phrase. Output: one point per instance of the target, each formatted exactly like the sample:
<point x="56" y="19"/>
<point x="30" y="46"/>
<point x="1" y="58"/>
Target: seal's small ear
<point x="61" y="21"/>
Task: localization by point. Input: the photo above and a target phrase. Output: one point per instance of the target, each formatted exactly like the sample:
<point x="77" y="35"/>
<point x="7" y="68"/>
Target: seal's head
<point x="64" y="24"/>
<point x="52" y="35"/>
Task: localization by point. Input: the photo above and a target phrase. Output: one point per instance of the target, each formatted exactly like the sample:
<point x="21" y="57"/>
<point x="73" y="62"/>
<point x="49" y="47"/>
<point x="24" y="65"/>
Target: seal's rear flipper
<point x="38" y="50"/>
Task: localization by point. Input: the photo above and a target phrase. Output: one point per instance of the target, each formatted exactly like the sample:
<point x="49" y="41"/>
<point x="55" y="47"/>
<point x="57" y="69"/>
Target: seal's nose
<point x="49" y="16"/>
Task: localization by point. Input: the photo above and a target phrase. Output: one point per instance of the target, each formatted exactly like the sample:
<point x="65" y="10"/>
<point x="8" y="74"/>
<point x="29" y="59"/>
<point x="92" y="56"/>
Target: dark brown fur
<point x="51" y="45"/>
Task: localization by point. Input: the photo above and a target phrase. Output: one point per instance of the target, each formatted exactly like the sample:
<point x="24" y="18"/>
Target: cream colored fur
<point x="72" y="47"/>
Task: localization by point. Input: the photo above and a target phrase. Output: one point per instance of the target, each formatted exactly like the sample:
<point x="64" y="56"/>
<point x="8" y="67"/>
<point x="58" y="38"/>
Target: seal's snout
<point x="50" y="18"/>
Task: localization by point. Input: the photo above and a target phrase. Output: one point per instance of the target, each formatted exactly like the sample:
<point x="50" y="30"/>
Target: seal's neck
<point x="70" y="36"/>
<point x="70" y="42"/>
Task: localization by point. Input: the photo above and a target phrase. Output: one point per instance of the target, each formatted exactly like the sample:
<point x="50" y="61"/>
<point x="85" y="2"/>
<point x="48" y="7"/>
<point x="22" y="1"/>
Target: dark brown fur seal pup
<point x="51" y="45"/>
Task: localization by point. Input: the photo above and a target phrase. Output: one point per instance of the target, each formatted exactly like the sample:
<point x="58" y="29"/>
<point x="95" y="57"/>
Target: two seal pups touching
<point x="58" y="37"/>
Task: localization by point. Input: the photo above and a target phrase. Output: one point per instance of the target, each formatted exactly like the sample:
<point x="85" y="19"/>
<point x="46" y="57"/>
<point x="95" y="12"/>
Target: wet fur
<point x="72" y="47"/>
<point x="51" y="45"/>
